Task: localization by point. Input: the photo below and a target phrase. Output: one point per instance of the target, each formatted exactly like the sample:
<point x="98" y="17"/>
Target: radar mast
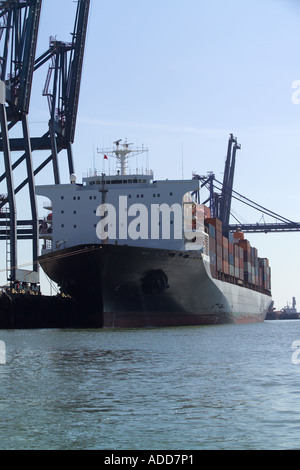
<point x="122" y="152"/>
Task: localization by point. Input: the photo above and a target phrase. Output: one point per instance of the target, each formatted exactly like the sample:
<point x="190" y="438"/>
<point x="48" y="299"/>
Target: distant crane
<point x="221" y="195"/>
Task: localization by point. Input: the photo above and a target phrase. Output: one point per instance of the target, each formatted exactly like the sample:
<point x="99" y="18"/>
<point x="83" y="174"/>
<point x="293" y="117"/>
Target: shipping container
<point x="225" y="267"/>
<point x="225" y="242"/>
<point x="219" y="251"/>
<point x="212" y="244"/>
<point x="219" y="238"/>
<point x="245" y="245"/>
<point x="211" y="230"/>
<point x="219" y="263"/>
<point x="205" y="209"/>
<point x="237" y="236"/>
<point x="263" y="262"/>
<point x="247" y="267"/>
<point x="212" y="257"/>
<point x="215" y="222"/>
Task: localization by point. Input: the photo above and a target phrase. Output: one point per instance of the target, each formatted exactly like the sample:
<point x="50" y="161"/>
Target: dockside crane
<point x="19" y="24"/>
<point x="19" y="31"/>
<point x="65" y="70"/>
<point x="221" y="195"/>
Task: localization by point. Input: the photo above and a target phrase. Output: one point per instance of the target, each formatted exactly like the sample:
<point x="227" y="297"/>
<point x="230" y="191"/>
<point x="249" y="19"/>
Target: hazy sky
<point x="178" y="76"/>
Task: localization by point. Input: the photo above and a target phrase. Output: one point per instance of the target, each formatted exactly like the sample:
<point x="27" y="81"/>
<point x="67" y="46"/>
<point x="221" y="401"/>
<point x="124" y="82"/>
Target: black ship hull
<point x="140" y="287"/>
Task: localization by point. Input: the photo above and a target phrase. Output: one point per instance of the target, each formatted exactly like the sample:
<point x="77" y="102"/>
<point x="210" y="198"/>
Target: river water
<point x="193" y="388"/>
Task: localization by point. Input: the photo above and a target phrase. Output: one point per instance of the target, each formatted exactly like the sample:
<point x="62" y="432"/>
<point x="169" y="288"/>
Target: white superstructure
<point x="140" y="210"/>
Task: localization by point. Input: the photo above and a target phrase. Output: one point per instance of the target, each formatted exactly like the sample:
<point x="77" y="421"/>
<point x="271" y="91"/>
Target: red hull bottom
<point x="161" y="319"/>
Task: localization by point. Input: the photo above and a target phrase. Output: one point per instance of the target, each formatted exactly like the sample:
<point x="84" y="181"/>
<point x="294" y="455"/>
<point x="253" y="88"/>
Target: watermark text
<point x="156" y="221"/>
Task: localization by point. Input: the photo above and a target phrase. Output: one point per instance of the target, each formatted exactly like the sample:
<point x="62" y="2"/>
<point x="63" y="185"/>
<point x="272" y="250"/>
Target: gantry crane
<point x="19" y="31"/>
<point x="221" y="195"/>
<point x="18" y="38"/>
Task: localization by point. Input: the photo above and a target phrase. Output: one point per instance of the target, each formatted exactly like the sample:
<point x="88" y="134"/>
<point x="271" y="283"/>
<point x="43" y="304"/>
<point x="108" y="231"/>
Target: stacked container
<point x="246" y="247"/>
<point x="233" y="259"/>
<point x="215" y="226"/>
<point x="231" y="254"/>
<point x="225" y="255"/>
<point x="212" y="249"/>
<point x="265" y="273"/>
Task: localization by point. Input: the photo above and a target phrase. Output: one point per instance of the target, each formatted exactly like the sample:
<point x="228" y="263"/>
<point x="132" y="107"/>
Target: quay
<point x="33" y="311"/>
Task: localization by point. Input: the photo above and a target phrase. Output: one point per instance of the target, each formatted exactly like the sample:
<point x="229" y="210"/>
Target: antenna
<point x="182" y="160"/>
<point x="122" y="155"/>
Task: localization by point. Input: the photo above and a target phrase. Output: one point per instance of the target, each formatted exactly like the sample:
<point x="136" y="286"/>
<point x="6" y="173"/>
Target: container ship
<point x="141" y="252"/>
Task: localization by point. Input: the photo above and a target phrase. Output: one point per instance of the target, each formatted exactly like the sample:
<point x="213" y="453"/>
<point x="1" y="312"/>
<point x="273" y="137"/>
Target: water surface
<point x="215" y="387"/>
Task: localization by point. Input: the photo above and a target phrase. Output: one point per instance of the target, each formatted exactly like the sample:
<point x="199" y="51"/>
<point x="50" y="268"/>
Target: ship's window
<point x="129" y="181"/>
<point x="107" y="182"/>
<point x="95" y="211"/>
<point x="142" y="195"/>
<point x="171" y="194"/>
<point x="154" y="195"/>
<point x="124" y="181"/>
<point x="94" y="197"/>
<point x="62" y="225"/>
<point x="78" y="197"/>
<point x="137" y="195"/>
<point x="74" y="198"/>
<point x="158" y="195"/>
<point x="129" y="196"/>
<point x="75" y="226"/>
<point x="62" y="212"/>
<point x="74" y="212"/>
<point x="134" y="181"/>
<point x="61" y="197"/>
<point x="91" y="197"/>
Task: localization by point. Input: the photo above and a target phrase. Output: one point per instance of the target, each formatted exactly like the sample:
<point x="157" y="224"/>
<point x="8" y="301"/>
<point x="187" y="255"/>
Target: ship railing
<point x="47" y="246"/>
<point x="139" y="171"/>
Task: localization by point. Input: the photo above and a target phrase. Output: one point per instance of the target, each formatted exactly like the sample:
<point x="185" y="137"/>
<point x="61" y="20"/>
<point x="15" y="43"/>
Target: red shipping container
<point x="225" y="267"/>
<point x="238" y="236"/>
<point x="215" y="222"/>
<point x="225" y="242"/>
